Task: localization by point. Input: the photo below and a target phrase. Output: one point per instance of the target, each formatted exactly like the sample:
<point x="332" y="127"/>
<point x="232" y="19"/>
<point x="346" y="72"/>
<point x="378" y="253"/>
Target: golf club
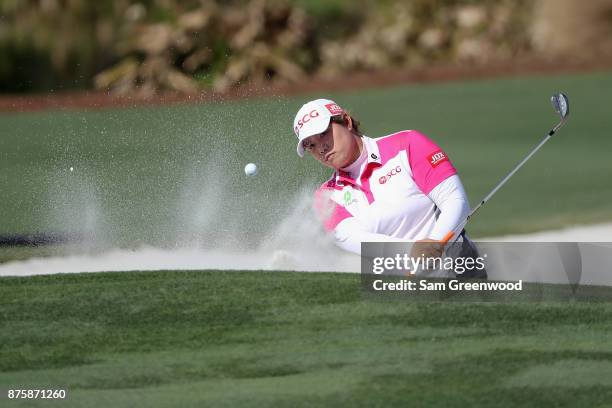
<point x="561" y="104"/>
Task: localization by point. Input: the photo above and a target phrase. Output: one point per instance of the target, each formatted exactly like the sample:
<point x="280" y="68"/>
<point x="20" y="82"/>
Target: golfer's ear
<point x="348" y="121"/>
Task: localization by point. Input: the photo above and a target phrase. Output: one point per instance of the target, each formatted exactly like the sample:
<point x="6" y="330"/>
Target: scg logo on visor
<point x="305" y="119"/>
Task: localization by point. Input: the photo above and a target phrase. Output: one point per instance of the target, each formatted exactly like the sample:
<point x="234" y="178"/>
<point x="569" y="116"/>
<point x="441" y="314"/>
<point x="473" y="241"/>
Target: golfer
<point x="397" y="188"/>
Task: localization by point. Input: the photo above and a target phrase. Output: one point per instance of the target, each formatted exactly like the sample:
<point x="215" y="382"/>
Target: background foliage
<point x="148" y="46"/>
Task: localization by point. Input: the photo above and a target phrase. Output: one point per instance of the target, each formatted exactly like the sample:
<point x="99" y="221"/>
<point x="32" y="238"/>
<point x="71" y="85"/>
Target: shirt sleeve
<point x="450" y="198"/>
<point x="330" y="213"/>
<point x="349" y="234"/>
<point x="429" y="164"/>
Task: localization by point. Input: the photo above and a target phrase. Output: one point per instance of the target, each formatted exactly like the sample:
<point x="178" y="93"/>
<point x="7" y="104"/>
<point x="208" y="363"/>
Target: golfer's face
<point x="333" y="148"/>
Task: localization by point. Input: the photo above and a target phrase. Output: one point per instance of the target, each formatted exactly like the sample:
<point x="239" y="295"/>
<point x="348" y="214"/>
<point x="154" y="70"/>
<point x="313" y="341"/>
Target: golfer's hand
<point x="429" y="248"/>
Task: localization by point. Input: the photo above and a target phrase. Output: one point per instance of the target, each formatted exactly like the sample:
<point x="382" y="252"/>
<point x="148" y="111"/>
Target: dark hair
<point x="356" y="123"/>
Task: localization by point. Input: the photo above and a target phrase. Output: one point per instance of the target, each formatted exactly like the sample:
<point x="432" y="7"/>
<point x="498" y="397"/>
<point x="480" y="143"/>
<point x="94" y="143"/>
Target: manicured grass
<point x="292" y="339"/>
<point x="164" y="175"/>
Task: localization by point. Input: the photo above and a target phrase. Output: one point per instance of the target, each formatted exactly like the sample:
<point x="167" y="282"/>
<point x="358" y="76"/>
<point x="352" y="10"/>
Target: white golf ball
<point x="250" y="169"/>
<point x="71" y="168"/>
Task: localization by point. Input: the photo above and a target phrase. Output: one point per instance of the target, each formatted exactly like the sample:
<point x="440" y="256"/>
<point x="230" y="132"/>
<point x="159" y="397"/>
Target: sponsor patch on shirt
<point x="436" y="158"/>
<point x="391" y="173"/>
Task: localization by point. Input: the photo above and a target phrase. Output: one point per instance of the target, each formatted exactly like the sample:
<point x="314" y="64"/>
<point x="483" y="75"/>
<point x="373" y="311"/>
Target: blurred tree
<point x="49" y="43"/>
<point x="573" y="27"/>
<point x="149" y="46"/>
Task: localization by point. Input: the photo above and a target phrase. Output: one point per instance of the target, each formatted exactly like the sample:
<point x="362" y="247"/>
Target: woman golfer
<point x="396" y="188"/>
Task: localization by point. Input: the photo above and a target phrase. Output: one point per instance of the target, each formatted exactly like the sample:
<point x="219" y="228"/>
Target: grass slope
<point x="292" y="339"/>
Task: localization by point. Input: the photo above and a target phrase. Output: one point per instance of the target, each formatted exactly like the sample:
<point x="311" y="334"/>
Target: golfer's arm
<point x="349" y="234"/>
<point x="449" y="196"/>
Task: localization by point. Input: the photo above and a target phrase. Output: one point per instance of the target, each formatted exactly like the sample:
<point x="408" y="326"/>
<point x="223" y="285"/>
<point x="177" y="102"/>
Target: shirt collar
<point x="342" y="178"/>
<point x="372" y="147"/>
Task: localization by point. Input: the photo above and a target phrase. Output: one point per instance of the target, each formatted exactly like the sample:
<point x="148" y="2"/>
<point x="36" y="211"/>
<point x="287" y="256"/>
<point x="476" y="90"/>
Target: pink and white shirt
<point x="402" y="188"/>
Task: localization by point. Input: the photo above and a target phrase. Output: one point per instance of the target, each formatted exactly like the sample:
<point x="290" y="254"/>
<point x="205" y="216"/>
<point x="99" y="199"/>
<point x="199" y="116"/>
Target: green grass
<point x="162" y="175"/>
<point x="292" y="339"/>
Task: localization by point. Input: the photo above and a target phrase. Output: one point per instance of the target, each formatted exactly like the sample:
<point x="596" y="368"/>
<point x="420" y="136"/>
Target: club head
<point x="571" y="259"/>
<point x="561" y="104"/>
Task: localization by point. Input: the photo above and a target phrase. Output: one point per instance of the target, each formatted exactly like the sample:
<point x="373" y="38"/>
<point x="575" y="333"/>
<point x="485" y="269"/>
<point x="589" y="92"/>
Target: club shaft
<point x="504" y="180"/>
<point x="516" y="168"/>
<point x="509" y="175"/>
